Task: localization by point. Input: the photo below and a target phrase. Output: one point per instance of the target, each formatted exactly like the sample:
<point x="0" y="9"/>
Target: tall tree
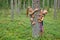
<point x="50" y="3"/>
<point x="29" y="2"/>
<point x="32" y="3"/>
<point x="43" y="3"/>
<point x="35" y="28"/>
<point x="24" y="4"/>
<point x="12" y="10"/>
<point x="18" y="6"/>
<point x="55" y="7"/>
<point x="58" y="3"/>
<point x="15" y="5"/>
<point x="47" y="3"/>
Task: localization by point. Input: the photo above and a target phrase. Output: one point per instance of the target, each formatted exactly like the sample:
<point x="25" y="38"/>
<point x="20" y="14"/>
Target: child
<point x="40" y="20"/>
<point x="31" y="12"/>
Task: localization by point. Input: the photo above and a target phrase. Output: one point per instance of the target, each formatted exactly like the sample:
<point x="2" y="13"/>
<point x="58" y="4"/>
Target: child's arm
<point x="35" y="10"/>
<point x="42" y="19"/>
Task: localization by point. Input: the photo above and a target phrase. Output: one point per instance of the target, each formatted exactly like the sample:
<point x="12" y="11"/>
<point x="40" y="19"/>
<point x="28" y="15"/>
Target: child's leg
<point x="41" y="26"/>
<point x="41" y="29"/>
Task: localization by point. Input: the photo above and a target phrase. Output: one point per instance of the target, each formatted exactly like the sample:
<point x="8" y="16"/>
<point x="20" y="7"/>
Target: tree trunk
<point x="15" y="6"/>
<point x="58" y="2"/>
<point x="32" y="3"/>
<point x="48" y="4"/>
<point x="24" y="4"/>
<point x="12" y="10"/>
<point x="55" y="7"/>
<point x="43" y="3"/>
<point x="7" y="3"/>
<point x="18" y="7"/>
<point x="35" y="28"/>
<point x="28" y="2"/>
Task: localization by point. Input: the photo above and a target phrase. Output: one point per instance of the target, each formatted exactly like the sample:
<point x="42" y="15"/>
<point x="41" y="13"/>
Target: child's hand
<point x="37" y="9"/>
<point x="33" y="23"/>
<point x="31" y="19"/>
<point x="45" y="12"/>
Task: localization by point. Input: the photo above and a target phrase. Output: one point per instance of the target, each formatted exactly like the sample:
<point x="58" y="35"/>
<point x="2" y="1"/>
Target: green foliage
<point x="20" y="28"/>
<point x="3" y="4"/>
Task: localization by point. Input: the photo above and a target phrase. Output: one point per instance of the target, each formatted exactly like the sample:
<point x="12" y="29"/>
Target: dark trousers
<point x="41" y="26"/>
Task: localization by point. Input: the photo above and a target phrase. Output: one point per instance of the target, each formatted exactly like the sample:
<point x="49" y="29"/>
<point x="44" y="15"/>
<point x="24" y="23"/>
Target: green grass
<point x="20" y="28"/>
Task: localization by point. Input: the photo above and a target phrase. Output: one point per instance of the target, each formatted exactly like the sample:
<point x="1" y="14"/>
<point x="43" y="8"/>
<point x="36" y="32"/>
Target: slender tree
<point x="32" y="3"/>
<point x="24" y="4"/>
<point x="58" y="3"/>
<point x="15" y="6"/>
<point x="47" y="3"/>
<point x="43" y="3"/>
<point x="12" y="10"/>
<point x="55" y="7"/>
<point x="50" y="3"/>
<point x="29" y="2"/>
<point x="18" y="6"/>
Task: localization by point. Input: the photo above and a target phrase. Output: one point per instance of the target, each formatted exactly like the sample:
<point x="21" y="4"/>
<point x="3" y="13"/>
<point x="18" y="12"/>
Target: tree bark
<point x="18" y="7"/>
<point x="43" y="3"/>
<point x="55" y="7"/>
<point x="15" y="6"/>
<point x="12" y="10"/>
<point x="35" y="28"/>
<point x="58" y="2"/>
<point x="24" y="4"/>
<point x="47" y="3"/>
<point x="28" y="2"/>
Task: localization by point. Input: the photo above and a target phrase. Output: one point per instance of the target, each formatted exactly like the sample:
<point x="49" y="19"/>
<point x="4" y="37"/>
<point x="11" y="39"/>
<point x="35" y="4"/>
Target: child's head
<point x="43" y="12"/>
<point x="29" y="10"/>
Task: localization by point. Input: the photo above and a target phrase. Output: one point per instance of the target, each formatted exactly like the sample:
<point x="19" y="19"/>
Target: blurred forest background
<point x="20" y="28"/>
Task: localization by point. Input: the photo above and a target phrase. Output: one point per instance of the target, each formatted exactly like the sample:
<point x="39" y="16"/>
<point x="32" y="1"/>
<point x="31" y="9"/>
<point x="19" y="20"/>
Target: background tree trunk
<point x="12" y="10"/>
<point x="24" y="4"/>
<point x="55" y="8"/>
<point x="43" y="3"/>
<point x="28" y="2"/>
<point x="58" y="3"/>
<point x="48" y="4"/>
<point x="18" y="6"/>
<point x="15" y="6"/>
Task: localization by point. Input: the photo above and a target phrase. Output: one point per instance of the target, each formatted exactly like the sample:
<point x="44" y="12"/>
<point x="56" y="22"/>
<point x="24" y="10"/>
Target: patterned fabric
<point x="41" y="26"/>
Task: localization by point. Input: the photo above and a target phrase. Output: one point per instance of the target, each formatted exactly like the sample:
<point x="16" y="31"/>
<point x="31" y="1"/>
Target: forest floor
<point x="20" y="28"/>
